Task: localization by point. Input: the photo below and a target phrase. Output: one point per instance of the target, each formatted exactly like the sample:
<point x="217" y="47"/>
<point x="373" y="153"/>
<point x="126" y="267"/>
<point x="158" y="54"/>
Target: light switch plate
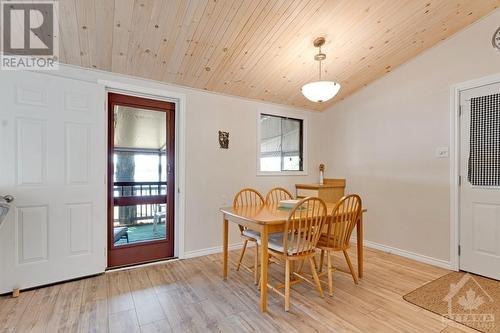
<point x="442" y="152"/>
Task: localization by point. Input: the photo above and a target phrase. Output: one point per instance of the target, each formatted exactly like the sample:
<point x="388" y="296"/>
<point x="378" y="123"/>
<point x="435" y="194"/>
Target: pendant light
<point x="320" y="91"/>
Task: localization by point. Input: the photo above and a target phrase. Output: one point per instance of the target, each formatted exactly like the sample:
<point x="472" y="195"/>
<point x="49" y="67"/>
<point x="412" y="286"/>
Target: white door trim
<point x="180" y="147"/>
<point x="455" y="160"/>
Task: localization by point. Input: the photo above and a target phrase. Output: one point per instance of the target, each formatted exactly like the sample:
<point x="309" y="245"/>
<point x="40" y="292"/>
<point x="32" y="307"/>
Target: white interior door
<point x="479" y="191"/>
<point x="52" y="160"/>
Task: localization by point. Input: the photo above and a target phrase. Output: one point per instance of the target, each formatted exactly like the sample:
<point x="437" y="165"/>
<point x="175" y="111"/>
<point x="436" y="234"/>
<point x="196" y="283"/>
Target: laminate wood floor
<point x="190" y="296"/>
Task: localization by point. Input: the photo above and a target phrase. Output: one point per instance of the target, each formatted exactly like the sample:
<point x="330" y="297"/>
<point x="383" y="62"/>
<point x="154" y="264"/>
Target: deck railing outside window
<point x="138" y="202"/>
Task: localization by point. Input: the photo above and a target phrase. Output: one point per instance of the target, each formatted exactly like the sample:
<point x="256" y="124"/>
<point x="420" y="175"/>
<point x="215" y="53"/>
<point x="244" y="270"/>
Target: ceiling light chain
<point x="319" y="64"/>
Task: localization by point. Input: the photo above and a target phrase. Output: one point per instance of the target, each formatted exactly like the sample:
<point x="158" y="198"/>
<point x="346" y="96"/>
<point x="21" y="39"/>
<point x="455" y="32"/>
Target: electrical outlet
<point x="442" y="152"/>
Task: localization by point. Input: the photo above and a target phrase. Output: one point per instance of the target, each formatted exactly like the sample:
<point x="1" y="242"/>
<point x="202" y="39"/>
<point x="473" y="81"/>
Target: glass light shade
<point x="320" y="91"/>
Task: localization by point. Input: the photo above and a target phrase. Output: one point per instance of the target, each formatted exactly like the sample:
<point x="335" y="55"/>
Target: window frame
<point x="284" y="114"/>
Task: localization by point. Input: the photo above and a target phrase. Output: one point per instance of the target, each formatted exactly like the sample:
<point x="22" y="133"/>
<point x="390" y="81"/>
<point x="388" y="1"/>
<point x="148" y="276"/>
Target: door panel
<point x="33" y="233"/>
<point x="31" y="158"/>
<point x="79" y="217"/>
<point x="52" y="160"/>
<point x="479" y="205"/>
<point x="77" y="150"/>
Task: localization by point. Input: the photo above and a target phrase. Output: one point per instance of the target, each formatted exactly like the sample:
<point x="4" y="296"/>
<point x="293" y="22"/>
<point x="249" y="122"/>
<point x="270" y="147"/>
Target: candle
<point x="321" y="173"/>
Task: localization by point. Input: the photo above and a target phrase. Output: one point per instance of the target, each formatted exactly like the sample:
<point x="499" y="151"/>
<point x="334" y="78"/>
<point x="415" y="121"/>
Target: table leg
<point x="225" y="246"/>
<point x="359" y="244"/>
<point x="263" y="268"/>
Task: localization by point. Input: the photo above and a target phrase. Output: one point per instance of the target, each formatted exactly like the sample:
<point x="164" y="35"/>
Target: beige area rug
<point x="471" y="300"/>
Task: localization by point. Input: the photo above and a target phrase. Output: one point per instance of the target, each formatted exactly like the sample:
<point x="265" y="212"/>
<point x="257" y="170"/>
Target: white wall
<point x="214" y="175"/>
<point x="383" y="140"/>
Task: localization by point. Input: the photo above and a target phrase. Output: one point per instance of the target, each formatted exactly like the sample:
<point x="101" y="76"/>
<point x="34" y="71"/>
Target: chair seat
<point x="119" y="232"/>
<point x="276" y="243"/>
<point x="256" y="234"/>
<point x="251" y="233"/>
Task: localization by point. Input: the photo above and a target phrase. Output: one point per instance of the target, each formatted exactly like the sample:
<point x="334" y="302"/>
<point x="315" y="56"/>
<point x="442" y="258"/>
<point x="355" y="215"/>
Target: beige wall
<point x="383" y="140"/>
<point x="214" y="175"/>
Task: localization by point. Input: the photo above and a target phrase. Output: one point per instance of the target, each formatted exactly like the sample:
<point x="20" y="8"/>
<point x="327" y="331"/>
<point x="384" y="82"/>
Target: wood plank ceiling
<point x="260" y="49"/>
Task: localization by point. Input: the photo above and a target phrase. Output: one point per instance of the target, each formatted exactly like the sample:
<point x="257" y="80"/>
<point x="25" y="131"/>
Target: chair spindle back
<point x="247" y="197"/>
<point x="345" y="216"/>
<point x="303" y="226"/>
<point x="277" y="194"/>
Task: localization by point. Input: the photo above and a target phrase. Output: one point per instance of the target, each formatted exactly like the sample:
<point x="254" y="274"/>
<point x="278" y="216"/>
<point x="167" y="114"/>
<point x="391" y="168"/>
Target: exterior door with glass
<point x="140" y="180"/>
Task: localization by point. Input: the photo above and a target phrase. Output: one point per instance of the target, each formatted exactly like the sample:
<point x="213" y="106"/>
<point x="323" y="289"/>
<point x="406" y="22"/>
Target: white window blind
<point x="281" y="141"/>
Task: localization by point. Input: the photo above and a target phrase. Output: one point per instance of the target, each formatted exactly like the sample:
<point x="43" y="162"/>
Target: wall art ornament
<point x="223" y="140"/>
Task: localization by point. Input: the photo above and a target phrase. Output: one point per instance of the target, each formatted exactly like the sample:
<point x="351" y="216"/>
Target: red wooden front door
<point x="141" y="176"/>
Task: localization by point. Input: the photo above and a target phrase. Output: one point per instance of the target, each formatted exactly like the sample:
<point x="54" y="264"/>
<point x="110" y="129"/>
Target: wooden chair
<point x="298" y="243"/>
<point x="249" y="197"/>
<point x="274" y="196"/>
<point x="346" y="214"/>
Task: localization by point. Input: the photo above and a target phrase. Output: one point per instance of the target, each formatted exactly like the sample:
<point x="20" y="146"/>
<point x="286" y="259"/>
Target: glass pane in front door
<point x="140" y="166"/>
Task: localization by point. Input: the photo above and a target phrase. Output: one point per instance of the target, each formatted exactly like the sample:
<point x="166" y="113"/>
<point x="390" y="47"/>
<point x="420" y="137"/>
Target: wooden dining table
<point x="269" y="219"/>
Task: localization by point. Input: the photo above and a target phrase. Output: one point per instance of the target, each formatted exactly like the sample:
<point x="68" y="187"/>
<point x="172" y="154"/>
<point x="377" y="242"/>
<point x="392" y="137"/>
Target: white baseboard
<point x="385" y="248"/>
<point x="210" y="250"/>
<point x="407" y="254"/>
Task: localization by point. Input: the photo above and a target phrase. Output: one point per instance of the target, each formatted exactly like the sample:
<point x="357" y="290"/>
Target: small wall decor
<point x="223" y="140"/>
<point x="496" y="39"/>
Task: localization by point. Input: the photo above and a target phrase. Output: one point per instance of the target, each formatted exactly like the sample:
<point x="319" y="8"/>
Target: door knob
<point x="8" y="198"/>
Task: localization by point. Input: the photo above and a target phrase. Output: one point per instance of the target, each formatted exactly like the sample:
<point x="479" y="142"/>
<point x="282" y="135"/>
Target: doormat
<point x="468" y="299"/>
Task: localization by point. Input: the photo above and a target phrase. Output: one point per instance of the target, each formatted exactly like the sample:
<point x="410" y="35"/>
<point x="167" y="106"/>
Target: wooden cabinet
<point x="331" y="191"/>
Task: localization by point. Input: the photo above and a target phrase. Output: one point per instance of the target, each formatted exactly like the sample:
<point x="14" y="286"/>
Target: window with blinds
<point x="281" y="143"/>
